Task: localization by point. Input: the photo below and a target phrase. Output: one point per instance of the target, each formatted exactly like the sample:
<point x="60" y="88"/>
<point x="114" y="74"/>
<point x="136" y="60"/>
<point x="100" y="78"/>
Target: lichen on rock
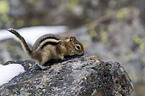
<point x="84" y="76"/>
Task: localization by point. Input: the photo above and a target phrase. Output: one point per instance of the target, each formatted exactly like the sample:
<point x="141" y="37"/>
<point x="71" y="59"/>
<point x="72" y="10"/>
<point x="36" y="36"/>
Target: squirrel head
<point x="74" y="47"/>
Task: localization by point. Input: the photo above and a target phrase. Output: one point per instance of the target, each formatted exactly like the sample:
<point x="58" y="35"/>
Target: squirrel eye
<point x="78" y="47"/>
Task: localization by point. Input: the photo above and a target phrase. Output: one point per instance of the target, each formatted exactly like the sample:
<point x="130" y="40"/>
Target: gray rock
<point x="84" y="76"/>
<point x="121" y="38"/>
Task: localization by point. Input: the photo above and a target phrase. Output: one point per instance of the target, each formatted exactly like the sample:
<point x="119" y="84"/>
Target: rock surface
<point x="84" y="76"/>
<point x="121" y="38"/>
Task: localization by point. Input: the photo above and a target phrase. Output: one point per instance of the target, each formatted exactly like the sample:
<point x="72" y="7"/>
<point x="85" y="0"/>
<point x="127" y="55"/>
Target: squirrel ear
<point x="72" y="39"/>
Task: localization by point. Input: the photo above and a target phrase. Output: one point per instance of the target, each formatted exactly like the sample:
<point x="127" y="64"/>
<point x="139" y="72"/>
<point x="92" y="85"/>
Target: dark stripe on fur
<point x="49" y="43"/>
<point x="49" y="38"/>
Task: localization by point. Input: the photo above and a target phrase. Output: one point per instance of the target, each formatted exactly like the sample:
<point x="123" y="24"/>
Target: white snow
<point x="7" y="72"/>
<point x="31" y="34"/>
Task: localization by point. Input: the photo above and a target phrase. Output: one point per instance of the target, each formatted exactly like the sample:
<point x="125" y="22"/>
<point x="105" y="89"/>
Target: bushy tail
<point x="23" y="42"/>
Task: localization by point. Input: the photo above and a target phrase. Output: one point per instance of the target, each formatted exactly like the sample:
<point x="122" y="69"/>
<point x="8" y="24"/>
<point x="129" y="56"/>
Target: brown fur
<point x="51" y="46"/>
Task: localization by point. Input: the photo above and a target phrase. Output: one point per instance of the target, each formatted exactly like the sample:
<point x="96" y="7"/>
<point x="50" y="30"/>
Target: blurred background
<point x="112" y="30"/>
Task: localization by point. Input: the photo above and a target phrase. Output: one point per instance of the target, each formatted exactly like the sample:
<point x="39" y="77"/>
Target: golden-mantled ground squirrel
<point x="50" y="47"/>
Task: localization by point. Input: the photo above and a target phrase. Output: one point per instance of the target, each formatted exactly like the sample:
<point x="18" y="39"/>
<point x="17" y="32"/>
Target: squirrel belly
<point x="50" y="52"/>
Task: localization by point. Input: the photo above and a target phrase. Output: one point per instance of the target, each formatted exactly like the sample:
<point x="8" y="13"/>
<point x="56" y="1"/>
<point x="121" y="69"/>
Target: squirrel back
<point x="50" y="47"/>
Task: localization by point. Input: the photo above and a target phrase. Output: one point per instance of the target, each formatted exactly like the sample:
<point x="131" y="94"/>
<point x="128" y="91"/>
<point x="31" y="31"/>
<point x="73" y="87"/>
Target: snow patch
<point x="7" y="72"/>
